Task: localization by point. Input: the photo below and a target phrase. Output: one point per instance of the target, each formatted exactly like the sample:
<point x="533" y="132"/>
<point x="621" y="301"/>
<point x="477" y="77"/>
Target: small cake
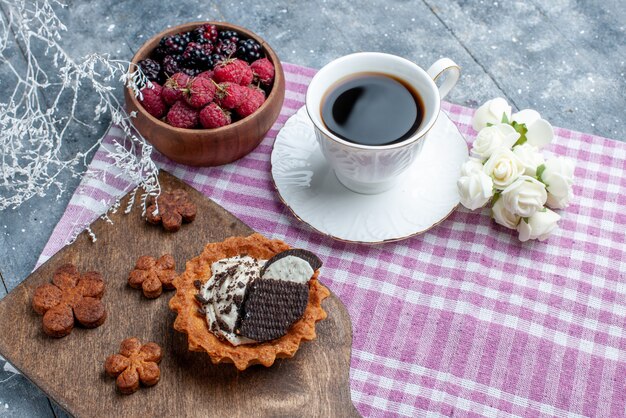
<point x="249" y="300"/>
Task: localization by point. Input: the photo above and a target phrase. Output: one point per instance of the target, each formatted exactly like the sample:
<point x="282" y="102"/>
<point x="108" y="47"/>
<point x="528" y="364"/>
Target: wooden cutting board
<point x="71" y="370"/>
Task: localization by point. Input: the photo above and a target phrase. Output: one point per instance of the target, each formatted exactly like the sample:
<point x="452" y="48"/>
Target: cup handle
<point x="445" y="65"/>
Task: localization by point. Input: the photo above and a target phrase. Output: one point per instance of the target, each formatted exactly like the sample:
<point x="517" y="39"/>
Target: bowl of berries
<point x="215" y="91"/>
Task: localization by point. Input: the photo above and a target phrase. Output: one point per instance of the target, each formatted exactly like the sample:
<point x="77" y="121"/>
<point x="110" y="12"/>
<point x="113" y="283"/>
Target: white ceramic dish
<point x="424" y="196"/>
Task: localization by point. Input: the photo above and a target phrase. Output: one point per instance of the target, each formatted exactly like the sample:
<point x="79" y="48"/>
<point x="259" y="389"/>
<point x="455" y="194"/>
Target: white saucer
<point x="424" y="196"/>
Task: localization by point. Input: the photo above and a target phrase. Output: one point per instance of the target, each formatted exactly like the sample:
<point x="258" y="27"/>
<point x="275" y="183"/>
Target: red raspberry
<point x="208" y="74"/>
<point x="263" y="70"/>
<point x="173" y="88"/>
<point x="254" y="99"/>
<point x="182" y="116"/>
<point x="230" y="95"/>
<point x="200" y="92"/>
<point x="234" y="71"/>
<point x="213" y="116"/>
<point x="152" y="101"/>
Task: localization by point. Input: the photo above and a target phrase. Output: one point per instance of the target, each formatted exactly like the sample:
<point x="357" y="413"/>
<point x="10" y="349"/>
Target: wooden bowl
<point x="209" y="147"/>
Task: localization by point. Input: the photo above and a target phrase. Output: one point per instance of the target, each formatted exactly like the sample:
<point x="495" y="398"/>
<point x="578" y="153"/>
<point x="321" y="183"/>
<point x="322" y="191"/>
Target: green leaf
<point x="489" y="124"/>
<point x="521" y="129"/>
<point x="495" y="198"/>
<point x="540" y="171"/>
<point x="525" y="220"/>
<point x="505" y="119"/>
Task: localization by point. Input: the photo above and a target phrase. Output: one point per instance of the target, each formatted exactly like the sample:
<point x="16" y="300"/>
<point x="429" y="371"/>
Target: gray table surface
<point x="565" y="58"/>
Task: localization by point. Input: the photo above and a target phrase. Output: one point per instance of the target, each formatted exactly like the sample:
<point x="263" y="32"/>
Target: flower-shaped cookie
<point x="135" y="363"/>
<point x="70" y="297"/>
<point x="174" y="208"/>
<point x="153" y="275"/>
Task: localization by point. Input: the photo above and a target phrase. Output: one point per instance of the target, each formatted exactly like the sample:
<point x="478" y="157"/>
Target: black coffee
<point x="372" y="109"/>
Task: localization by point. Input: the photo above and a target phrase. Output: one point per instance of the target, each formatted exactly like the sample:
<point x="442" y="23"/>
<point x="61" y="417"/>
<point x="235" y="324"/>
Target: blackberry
<point x="198" y="55"/>
<point x="175" y="44"/>
<point x="206" y="34"/>
<point x="191" y="72"/>
<point x="230" y="35"/>
<point x="160" y="52"/>
<point x="216" y="59"/>
<point x="226" y="47"/>
<point x="150" y="68"/>
<point x="171" y="65"/>
<point x="249" y="50"/>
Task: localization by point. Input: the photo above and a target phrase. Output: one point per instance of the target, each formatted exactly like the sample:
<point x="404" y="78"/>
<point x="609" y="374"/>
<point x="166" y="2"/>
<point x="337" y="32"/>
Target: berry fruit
<point x="231" y="35"/>
<point x="150" y="68"/>
<point x="152" y="101"/>
<point x="263" y="71"/>
<point x="200" y="92"/>
<point x="230" y="95"/>
<point x="226" y="47"/>
<point x="171" y="65"/>
<point x="206" y="33"/>
<point x="208" y="74"/>
<point x="198" y="55"/>
<point x="213" y="116"/>
<point x="253" y="100"/>
<point x="175" y="44"/>
<point x="182" y="116"/>
<point x="249" y="50"/>
<point x="234" y="71"/>
<point x="191" y="72"/>
<point x="217" y="58"/>
<point x="174" y="87"/>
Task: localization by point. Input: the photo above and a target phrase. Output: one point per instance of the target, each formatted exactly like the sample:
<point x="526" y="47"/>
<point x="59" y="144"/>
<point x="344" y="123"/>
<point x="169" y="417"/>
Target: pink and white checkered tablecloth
<point x="463" y="320"/>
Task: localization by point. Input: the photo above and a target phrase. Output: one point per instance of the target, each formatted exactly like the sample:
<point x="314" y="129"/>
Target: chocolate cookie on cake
<point x="249" y="300"/>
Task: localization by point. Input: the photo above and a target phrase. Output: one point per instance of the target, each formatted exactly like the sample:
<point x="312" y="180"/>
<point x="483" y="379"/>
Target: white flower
<point x="540" y="132"/>
<point x="491" y="112"/>
<point x="470" y="166"/>
<point x="530" y="157"/>
<point x="558" y="177"/>
<point x="503" y="216"/>
<point x="475" y="189"/>
<point x="503" y="167"/>
<point x="525" y="196"/>
<point x="539" y="226"/>
<point x="492" y="138"/>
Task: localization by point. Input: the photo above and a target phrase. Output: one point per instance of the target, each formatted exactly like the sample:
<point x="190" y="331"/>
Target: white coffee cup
<point x="372" y="169"/>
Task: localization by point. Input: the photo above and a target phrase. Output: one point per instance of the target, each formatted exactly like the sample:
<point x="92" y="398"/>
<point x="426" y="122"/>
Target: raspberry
<point x="197" y="55"/>
<point x="249" y="50"/>
<point x="173" y="88"/>
<point x="182" y="116"/>
<point x="150" y="68"/>
<point x="171" y="65"/>
<point x="152" y="100"/>
<point x="263" y="71"/>
<point x="230" y="35"/>
<point x="213" y="116"/>
<point x="234" y="71"/>
<point x="208" y="74"/>
<point x="225" y="47"/>
<point x="230" y="95"/>
<point x="254" y="99"/>
<point x="200" y="92"/>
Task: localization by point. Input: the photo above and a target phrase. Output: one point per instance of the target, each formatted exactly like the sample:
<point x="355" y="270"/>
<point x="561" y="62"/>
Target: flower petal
<point x="540" y="133"/>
